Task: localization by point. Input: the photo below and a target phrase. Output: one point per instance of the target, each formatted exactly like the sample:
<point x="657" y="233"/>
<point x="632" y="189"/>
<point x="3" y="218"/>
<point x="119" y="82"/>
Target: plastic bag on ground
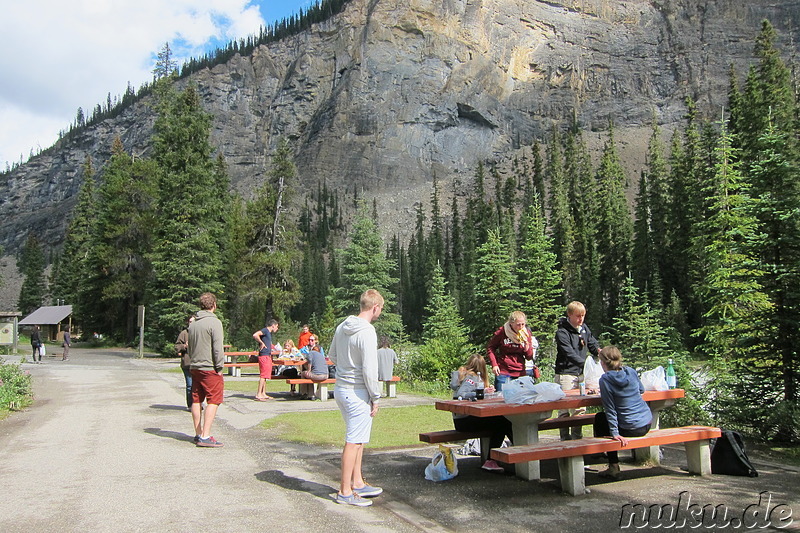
<point x="655" y="379"/>
<point x="443" y="466"/>
<point x="591" y="373"/>
<point x="524" y="390"/>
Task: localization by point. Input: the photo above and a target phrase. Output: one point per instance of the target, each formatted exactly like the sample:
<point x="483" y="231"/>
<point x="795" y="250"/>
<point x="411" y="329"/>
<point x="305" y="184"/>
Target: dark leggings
<point x="500" y="426"/>
<point x="601" y="429"/>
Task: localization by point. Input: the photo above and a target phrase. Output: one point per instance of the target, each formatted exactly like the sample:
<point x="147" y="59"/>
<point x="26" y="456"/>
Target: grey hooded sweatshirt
<point x="354" y="351"/>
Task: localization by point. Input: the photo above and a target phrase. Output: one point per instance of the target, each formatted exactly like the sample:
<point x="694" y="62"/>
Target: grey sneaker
<point x="353" y="499"/>
<point x="368" y="491"/>
<point x="210" y="442"/>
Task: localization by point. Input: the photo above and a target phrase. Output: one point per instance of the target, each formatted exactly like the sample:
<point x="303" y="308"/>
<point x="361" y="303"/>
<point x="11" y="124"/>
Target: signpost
<point x="140" y="323"/>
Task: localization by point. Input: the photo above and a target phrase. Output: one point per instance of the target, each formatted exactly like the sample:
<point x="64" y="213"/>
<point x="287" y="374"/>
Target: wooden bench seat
<point x="320" y="386"/>
<point x="235" y="369"/>
<point x="570" y="453"/>
<point x="390" y="387"/>
<point x="452" y="435"/>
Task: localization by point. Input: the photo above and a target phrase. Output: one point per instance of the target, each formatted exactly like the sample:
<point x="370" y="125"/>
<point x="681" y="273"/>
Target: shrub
<point x="16" y="391"/>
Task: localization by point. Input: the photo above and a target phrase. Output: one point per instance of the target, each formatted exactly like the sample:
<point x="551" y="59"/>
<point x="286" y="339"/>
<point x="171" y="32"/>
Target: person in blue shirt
<point x="625" y="413"/>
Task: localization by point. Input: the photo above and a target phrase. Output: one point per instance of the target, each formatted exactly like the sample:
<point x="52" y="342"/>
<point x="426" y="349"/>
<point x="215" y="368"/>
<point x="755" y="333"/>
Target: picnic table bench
<point x="323" y="386"/>
<point x="390" y="387"/>
<point x="696" y="440"/>
<point x="436" y="437"/>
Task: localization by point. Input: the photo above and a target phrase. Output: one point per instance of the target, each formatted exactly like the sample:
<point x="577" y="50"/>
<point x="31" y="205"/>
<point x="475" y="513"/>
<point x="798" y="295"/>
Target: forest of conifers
<point x="704" y="268"/>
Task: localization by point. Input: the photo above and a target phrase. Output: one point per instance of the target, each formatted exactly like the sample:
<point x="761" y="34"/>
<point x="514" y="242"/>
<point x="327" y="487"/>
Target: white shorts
<point x="355" y="407"/>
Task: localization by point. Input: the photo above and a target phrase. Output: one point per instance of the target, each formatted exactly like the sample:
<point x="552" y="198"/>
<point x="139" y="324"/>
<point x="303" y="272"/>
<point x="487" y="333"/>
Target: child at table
<point x="500" y="426"/>
<point x="625" y="412"/>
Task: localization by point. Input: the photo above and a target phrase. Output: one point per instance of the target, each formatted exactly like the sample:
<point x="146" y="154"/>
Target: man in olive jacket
<point x="207" y="361"/>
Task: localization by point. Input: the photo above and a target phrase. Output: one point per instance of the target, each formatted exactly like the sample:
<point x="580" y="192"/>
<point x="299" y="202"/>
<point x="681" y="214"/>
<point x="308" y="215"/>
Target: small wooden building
<point x="52" y="319"/>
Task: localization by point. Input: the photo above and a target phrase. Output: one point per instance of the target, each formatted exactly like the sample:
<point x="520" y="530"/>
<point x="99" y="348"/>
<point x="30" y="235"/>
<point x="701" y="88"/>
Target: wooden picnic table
<point x="525" y="418"/>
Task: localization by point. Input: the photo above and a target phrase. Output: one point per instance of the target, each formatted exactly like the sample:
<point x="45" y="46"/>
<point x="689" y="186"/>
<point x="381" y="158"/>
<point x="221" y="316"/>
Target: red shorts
<point x="207" y="385"/>
<point x="265" y="366"/>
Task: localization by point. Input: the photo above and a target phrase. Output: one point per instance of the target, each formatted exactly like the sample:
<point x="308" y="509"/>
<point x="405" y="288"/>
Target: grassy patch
<point x="393" y="426"/>
<point x="787" y="454"/>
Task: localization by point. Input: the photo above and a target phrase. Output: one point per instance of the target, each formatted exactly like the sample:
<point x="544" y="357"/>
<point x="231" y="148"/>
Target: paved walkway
<point x="106" y="447"/>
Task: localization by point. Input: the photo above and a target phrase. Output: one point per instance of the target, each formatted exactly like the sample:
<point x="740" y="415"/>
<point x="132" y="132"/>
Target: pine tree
<point x="191" y="235"/>
<point x="365" y="266"/>
<point x="582" y="267"/>
<point x="165" y="65"/>
<point x="117" y="261"/>
<point x="538" y="277"/>
<point x="495" y="287"/>
<point x="67" y="283"/>
<point x="30" y="264"/>
<point x="446" y="344"/>
<point x="637" y="330"/>
<point x="614" y="230"/>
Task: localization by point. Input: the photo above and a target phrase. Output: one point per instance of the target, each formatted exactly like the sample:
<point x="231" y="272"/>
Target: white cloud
<point x="58" y="56"/>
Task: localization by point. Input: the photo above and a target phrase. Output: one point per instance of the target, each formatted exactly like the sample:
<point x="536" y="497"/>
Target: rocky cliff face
<point x="390" y="92"/>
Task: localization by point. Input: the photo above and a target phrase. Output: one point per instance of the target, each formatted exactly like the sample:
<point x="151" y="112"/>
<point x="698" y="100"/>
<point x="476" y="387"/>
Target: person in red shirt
<point x="509" y="347"/>
<point x="305" y="335"/>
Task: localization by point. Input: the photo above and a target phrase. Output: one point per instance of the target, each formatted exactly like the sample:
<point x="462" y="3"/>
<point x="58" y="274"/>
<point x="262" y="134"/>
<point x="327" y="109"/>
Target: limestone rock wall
<point x="390" y="92"/>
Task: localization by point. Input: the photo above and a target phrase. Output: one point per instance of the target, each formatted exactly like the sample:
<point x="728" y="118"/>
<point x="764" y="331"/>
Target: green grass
<point x="393" y="426"/>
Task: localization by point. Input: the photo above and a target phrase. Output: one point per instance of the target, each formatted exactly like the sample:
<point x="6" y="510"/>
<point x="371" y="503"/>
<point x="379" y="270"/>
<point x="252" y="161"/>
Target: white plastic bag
<point x="655" y="379"/>
<point x="443" y="466"/>
<point x="42" y="350"/>
<point x="591" y="373"/>
<point x="523" y="390"/>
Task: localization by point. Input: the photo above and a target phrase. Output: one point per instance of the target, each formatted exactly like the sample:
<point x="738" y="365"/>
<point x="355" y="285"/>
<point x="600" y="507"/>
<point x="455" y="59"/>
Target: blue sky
<point x="61" y="55"/>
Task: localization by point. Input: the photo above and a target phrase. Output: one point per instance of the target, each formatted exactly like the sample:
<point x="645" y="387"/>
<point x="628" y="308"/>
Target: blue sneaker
<point x="353" y="499"/>
<point x="210" y="442"/>
<point x="368" y="491"/>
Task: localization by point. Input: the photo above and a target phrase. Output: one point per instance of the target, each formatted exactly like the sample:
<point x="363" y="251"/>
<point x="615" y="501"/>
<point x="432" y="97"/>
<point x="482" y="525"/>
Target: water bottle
<point x="479" y="388"/>
<point x="672" y="380"/>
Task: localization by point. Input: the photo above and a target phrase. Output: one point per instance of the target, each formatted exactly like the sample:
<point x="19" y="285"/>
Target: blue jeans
<point x="501" y="379"/>
<point x="188" y="376"/>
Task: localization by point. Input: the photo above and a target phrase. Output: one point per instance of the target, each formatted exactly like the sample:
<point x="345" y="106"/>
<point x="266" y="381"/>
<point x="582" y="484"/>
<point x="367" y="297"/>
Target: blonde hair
<point x="476" y="364"/>
<point x="575" y="307"/>
<point x="516" y="315"/>
<point x="370" y="298"/>
<point x="288" y="344"/>
<point x="612" y="357"/>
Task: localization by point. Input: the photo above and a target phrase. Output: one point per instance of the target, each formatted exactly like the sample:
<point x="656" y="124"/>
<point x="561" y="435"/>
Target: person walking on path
<point x="264" y="339"/>
<point x="207" y="361"/>
<point x="354" y="351"/>
<point x="67" y="343"/>
<point x="573" y="340"/>
<point x="182" y="349"/>
<point x="36" y="344"/>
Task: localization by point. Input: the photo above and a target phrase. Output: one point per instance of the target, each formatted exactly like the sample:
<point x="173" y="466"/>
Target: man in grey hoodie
<point x="354" y="351"/>
<point x="207" y="359"/>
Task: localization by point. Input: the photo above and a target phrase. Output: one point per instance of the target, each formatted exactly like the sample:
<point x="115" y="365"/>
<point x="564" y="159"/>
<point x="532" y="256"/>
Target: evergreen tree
<point x="637" y="331"/>
<point x="30" y="264"/>
<point x="614" y="230"/>
<point x="194" y="200"/>
<point x="165" y="65"/>
<point x="68" y="282"/>
<point x="538" y="277"/>
<point x="365" y="266"/>
<point x="582" y="272"/>
<point x="446" y="344"/>
<point x="117" y="261"/>
<point x="650" y="249"/>
<point x="495" y="287"/>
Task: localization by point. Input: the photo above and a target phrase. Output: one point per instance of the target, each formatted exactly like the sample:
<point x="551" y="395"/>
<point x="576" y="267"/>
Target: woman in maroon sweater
<point x="510" y="346"/>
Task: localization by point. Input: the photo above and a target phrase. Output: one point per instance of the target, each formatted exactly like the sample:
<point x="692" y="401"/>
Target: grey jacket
<point x="205" y="342"/>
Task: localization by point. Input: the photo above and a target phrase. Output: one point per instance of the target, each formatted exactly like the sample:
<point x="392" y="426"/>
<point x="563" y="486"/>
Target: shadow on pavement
<point x="276" y="477"/>
<point x="165" y="407"/>
<point x="169" y="434"/>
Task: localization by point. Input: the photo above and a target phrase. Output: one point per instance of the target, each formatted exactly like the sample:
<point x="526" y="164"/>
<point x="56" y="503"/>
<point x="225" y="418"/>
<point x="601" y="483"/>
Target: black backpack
<point x="728" y="456"/>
